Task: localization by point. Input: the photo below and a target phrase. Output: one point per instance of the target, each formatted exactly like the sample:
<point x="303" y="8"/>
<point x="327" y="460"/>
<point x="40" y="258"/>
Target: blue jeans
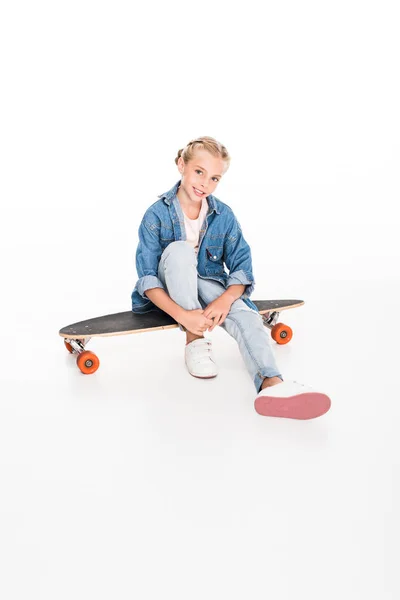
<point x="177" y="270"/>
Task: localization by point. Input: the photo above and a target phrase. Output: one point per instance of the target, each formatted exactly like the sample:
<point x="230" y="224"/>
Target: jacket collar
<point x="169" y="196"/>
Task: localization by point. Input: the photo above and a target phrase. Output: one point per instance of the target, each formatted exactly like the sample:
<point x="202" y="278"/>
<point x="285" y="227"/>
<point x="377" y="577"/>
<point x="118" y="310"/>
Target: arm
<point x="235" y="291"/>
<point x="237" y="257"/>
<point x="238" y="260"/>
<point x="148" y="256"/>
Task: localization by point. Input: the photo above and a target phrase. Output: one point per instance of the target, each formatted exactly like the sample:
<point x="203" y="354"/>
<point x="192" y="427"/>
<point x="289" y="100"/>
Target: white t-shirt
<point x="193" y="226"/>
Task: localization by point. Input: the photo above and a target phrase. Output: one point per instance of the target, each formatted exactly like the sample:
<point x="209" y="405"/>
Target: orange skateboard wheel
<point x="69" y="347"/>
<point x="281" y="333"/>
<point x="87" y="362"/>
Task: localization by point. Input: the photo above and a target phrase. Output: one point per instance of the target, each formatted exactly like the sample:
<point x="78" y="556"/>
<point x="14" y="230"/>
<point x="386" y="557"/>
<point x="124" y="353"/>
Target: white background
<point x="140" y="480"/>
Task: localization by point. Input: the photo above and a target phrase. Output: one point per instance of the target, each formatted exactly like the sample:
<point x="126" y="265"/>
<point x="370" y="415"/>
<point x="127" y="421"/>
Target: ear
<point x="181" y="164"/>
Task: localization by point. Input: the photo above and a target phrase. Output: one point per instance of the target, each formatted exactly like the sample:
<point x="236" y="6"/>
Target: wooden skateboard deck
<point x="123" y="323"/>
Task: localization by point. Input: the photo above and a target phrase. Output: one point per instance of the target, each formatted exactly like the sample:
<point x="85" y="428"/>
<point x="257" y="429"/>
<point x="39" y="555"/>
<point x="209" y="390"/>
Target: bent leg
<point x="177" y="270"/>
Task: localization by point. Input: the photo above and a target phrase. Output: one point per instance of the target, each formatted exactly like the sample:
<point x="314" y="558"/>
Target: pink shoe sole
<point x="300" y="406"/>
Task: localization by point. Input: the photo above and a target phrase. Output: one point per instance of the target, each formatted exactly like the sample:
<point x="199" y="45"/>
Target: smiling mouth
<point x="198" y="191"/>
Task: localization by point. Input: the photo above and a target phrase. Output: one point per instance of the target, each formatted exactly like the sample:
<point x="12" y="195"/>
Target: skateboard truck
<point x="270" y="319"/>
<point x="77" y="345"/>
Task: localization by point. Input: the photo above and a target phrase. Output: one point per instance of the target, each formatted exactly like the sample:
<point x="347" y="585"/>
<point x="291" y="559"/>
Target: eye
<point x="199" y="171"/>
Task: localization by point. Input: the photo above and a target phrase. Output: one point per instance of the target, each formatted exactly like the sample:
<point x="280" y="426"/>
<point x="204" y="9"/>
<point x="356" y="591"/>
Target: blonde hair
<point x="204" y="143"/>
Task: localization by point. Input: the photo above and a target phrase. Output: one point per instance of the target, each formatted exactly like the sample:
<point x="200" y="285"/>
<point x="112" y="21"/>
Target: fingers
<point x="218" y="321"/>
<point x="213" y="325"/>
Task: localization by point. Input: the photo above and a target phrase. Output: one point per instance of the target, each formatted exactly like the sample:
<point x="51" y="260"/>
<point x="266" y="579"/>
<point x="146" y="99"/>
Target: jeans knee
<point x="248" y="318"/>
<point x="180" y="251"/>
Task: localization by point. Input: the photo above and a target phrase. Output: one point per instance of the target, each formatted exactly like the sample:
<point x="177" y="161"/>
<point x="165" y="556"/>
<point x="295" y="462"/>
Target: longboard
<point x="77" y="335"/>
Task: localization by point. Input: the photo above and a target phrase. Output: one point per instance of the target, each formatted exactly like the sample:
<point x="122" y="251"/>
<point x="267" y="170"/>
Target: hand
<point x="218" y="310"/>
<point x="195" y="321"/>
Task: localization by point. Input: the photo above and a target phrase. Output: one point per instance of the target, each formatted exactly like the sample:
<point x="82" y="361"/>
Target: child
<point x="185" y="238"/>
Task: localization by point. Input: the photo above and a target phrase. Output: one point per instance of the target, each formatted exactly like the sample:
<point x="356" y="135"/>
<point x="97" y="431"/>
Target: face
<point x="203" y="172"/>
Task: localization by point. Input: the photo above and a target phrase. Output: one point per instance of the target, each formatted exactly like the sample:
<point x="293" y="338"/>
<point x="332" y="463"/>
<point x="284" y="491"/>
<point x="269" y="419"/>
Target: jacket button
<point x="215" y="257"/>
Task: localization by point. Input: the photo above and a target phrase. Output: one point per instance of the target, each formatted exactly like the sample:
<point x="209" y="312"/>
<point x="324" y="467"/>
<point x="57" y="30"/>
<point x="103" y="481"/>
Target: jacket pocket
<point x="214" y="263"/>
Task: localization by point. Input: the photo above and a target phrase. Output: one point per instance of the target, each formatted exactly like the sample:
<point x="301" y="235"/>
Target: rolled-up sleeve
<point x="148" y="254"/>
<point x="238" y="259"/>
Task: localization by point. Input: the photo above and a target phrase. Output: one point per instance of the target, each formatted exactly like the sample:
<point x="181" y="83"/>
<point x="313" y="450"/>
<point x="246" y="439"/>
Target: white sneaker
<point x="292" y="400"/>
<point x="199" y="359"/>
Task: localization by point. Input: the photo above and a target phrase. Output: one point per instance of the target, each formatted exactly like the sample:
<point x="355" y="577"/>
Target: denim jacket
<point x="221" y="241"/>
